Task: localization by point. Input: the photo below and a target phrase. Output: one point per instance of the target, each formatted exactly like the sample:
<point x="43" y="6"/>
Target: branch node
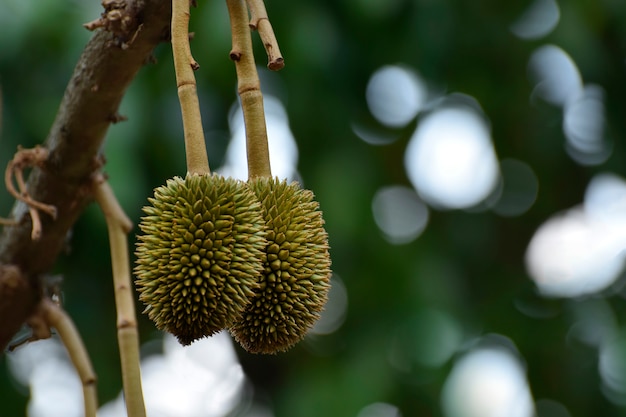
<point x="117" y="117"/>
<point x="120" y="19"/>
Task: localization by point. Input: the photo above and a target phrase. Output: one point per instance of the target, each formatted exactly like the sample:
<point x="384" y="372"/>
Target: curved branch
<point x="56" y="317"/>
<point x="109" y="62"/>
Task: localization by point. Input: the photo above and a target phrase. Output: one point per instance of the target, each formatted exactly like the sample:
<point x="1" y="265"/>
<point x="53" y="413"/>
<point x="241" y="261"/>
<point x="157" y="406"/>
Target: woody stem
<point x="184" y="65"/>
<point x="249" y="89"/>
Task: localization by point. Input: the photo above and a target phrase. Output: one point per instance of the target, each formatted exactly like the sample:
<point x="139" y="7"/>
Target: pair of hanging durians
<point x="218" y="253"/>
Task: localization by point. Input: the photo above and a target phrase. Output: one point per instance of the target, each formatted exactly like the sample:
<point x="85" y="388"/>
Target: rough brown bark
<point x="108" y="64"/>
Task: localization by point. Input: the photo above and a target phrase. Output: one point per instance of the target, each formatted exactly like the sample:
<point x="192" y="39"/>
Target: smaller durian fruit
<point x="296" y="280"/>
<point x="201" y="255"/>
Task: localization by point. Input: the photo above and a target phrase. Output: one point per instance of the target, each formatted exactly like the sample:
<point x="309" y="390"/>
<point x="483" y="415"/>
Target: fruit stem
<point x="184" y="65"/>
<point x="249" y="89"/>
<point x="56" y="317"/>
<point x="259" y="21"/>
<point x="118" y="225"/>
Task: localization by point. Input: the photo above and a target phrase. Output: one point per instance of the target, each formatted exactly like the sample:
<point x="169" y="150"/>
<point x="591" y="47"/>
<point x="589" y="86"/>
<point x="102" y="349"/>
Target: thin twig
<point x="56" y="317"/>
<point x="36" y="231"/>
<point x="28" y="158"/>
<point x="184" y="65"/>
<point x="259" y="21"/>
<point x="119" y="225"/>
<point x="249" y="88"/>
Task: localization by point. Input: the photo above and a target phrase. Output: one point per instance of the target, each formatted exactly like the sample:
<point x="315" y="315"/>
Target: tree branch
<point x="108" y="64"/>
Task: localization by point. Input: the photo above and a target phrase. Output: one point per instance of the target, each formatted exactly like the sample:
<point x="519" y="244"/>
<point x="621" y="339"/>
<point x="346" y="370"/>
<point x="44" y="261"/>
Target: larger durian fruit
<point x="200" y="258"/>
<point x="295" y="282"/>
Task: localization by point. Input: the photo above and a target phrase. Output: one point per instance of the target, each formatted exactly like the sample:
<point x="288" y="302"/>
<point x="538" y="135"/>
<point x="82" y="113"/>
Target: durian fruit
<point x="295" y="282"/>
<point x="201" y="255"/>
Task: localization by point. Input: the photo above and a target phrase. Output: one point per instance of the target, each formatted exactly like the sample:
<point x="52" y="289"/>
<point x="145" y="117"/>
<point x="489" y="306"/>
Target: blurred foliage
<point x="467" y="265"/>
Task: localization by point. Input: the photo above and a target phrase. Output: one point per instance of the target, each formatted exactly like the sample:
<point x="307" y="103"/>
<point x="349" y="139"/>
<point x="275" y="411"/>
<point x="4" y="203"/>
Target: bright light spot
<point x="22" y="361"/>
<point x="557" y="78"/>
<point x="569" y="256"/>
<point x="583" y="125"/>
<point x="201" y="380"/>
<point x="450" y="159"/>
<point x="558" y="81"/>
<point x="605" y="199"/>
<point x="282" y="145"/>
<point x="612" y="367"/>
<point x="519" y="188"/>
<point x="334" y="313"/>
<point x="55" y="389"/>
<point x="380" y="410"/>
<point x="487" y="382"/>
<point x="539" y="19"/>
<point x="399" y="213"/>
<point x="581" y="251"/>
<point x="395" y="95"/>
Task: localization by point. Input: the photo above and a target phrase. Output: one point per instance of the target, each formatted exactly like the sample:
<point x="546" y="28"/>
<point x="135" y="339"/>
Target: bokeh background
<point x="469" y="158"/>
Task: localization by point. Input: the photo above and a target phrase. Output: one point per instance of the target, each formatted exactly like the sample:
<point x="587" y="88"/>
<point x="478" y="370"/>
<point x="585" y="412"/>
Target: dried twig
<point x="259" y="21"/>
<point x="28" y="158"/>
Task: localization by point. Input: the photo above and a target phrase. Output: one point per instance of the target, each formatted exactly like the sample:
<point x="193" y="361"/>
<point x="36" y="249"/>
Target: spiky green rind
<point x="296" y="279"/>
<point x="201" y="254"/>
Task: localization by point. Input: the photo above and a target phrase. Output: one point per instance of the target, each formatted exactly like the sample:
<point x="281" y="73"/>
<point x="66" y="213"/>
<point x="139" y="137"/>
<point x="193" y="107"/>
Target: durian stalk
<point x="184" y="65"/>
<point x="260" y="22"/>
<point x="249" y="89"/>
<point x="118" y="225"/>
<point x="57" y="318"/>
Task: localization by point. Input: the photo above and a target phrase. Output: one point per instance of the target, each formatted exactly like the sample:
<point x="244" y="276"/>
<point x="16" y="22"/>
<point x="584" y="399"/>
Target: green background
<point x="466" y="265"/>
